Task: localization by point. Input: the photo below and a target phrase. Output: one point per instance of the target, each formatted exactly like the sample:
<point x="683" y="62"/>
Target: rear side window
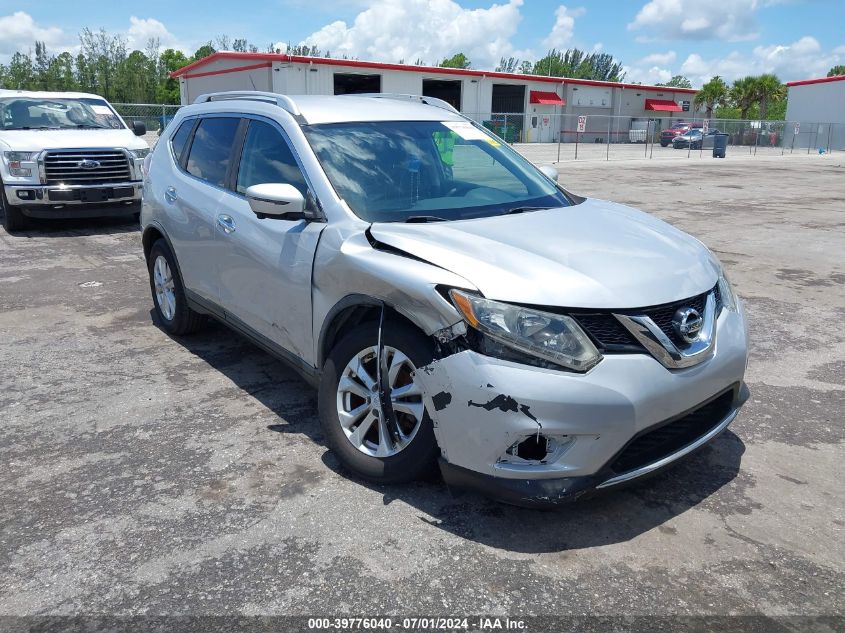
<point x="180" y="139"/>
<point x="267" y="158"/>
<point x="210" y="151"/>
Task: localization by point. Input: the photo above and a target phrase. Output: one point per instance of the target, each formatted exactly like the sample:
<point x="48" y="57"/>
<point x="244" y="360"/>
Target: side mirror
<point x="277" y="200"/>
<point x="139" y="128"/>
<point x="550" y="172"/>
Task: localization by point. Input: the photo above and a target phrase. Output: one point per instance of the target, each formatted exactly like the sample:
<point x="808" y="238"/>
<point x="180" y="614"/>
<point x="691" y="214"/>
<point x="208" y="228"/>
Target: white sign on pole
<point x="582" y="123"/>
<point x="706" y="127"/>
<point x="797" y="129"/>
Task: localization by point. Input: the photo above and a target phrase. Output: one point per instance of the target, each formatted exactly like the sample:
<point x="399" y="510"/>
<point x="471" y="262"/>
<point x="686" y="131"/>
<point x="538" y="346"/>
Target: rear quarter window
<point x="211" y="149"/>
<point x="180" y="139"/>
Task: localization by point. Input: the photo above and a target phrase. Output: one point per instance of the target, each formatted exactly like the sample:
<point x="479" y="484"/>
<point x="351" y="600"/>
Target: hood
<point x="595" y="254"/>
<point x="36" y="140"/>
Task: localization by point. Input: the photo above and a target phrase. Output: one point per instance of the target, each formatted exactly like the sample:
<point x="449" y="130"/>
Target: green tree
<point x="19" y="72"/>
<point x="769" y="90"/>
<point x="836" y="71"/>
<point x="508" y="65"/>
<point x="743" y="94"/>
<point x="712" y="94"/>
<point x="167" y="90"/>
<point x="576" y="64"/>
<point x="458" y="60"/>
<point x="678" y="81"/>
<point x="204" y="51"/>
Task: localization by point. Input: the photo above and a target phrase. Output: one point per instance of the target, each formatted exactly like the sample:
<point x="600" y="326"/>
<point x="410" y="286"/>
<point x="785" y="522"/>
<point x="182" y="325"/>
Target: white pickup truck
<point x="67" y="155"/>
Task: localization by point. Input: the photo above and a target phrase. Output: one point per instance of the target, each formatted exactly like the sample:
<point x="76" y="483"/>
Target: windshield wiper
<point x="422" y="219"/>
<point x="91" y="126"/>
<point x="524" y="210"/>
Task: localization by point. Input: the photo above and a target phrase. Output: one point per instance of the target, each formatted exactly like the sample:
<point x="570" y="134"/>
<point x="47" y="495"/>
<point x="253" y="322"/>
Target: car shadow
<point x="72" y="227"/>
<point x="615" y="516"/>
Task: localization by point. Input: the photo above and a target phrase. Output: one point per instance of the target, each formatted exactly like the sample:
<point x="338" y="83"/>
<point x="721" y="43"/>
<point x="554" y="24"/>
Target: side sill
<point x="203" y="306"/>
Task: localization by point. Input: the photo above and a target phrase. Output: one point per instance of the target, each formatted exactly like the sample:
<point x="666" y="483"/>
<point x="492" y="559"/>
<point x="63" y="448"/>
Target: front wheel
<point x="380" y="431"/>
<point x="13" y="219"/>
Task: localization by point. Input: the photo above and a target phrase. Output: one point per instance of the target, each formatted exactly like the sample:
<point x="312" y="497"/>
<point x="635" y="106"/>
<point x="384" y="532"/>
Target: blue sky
<point x="653" y="38"/>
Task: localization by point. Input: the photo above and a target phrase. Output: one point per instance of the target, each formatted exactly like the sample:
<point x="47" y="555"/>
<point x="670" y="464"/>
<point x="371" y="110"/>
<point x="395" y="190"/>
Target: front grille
<point x="606" y="330"/>
<point x="64" y="167"/>
<point x="669" y="438"/>
<point x="612" y="336"/>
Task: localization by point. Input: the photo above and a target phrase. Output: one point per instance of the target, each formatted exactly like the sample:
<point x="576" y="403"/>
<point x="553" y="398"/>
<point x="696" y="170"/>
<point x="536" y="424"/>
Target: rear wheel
<point x="171" y="304"/>
<point x="13" y="219"/>
<point x="378" y="430"/>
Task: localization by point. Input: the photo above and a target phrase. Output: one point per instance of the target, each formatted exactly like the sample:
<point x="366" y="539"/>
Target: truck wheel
<point x="171" y="304"/>
<point x="13" y="219"/>
<point x="380" y="432"/>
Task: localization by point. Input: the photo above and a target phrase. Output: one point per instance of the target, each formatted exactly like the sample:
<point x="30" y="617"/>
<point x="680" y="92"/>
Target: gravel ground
<point x="146" y="475"/>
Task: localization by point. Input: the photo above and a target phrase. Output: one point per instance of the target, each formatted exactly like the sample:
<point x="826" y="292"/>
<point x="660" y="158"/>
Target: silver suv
<point x="451" y="301"/>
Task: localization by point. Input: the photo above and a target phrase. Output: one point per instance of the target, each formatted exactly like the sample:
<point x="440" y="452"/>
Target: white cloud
<point x="141" y="30"/>
<point x="564" y="27"/>
<point x="19" y="32"/>
<point x="390" y="30"/>
<point x="802" y="59"/>
<point x="658" y="58"/>
<point x="731" y="20"/>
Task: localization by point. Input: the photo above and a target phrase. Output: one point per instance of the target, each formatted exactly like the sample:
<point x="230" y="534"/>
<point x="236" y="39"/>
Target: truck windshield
<point x="37" y="113"/>
<point x="399" y="171"/>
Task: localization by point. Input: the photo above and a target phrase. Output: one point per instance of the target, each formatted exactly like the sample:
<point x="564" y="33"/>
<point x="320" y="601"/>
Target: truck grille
<point x="103" y="167"/>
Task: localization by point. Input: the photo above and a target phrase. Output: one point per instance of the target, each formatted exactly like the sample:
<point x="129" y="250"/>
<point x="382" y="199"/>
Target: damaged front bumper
<point x="535" y="437"/>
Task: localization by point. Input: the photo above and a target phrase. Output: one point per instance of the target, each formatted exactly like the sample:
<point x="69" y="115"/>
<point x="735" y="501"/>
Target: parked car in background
<point x="453" y="304"/>
<point x="679" y="128"/>
<point x="695" y="139"/>
<point x="67" y="155"/>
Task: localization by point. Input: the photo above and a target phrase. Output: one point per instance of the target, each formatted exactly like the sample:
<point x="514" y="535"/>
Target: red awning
<point x="546" y="98"/>
<point x="662" y="105"/>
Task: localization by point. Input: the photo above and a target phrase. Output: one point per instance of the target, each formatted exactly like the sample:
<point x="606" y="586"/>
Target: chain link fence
<point x="557" y="137"/>
<point x="155" y="117"/>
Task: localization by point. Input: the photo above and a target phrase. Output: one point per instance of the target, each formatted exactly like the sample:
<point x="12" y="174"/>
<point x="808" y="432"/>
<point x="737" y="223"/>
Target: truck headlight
<point x="140" y="153"/>
<point x="555" y="338"/>
<point x="14" y="160"/>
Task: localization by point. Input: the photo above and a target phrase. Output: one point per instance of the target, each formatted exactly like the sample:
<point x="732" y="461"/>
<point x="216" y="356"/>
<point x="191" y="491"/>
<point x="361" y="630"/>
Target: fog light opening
<point x="533" y="449"/>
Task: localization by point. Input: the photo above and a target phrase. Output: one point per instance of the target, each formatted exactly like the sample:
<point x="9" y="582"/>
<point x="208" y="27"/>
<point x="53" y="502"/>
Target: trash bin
<point x="720" y="145"/>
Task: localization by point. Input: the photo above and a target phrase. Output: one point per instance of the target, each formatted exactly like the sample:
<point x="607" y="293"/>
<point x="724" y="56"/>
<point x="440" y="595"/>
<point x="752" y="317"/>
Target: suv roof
<point x="312" y="109"/>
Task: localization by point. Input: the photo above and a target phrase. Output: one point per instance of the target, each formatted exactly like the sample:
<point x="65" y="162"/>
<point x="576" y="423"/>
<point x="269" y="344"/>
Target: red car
<point x="680" y="128"/>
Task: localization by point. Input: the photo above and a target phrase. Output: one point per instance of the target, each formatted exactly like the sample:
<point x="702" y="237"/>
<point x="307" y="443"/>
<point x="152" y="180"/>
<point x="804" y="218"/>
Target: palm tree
<point x="743" y="94"/>
<point x="712" y="94"/>
<point x="769" y="88"/>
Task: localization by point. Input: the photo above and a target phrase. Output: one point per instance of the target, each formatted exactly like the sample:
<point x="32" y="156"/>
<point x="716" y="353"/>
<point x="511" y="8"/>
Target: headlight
<point x="140" y="153"/>
<point x="726" y="291"/>
<point x="16" y="157"/>
<point x="554" y="337"/>
<point x="14" y="160"/>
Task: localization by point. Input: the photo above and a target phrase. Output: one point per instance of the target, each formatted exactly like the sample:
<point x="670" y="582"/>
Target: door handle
<point x="170" y="195"/>
<point x="226" y="223"/>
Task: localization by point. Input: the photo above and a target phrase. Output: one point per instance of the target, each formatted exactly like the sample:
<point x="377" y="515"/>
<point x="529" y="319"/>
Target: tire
<point x="176" y="318"/>
<point x="418" y="457"/>
<point x="664" y="144"/>
<point x="13" y="219"/>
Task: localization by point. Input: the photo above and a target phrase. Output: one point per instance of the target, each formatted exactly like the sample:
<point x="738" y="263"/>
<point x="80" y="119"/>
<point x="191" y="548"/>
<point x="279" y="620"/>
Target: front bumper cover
<point x="481" y="407"/>
<point x="76" y="201"/>
<point x="551" y="493"/>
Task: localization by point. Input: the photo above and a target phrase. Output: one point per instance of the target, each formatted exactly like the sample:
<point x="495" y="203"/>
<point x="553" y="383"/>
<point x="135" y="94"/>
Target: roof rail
<point x="283" y="101"/>
<point x="432" y="101"/>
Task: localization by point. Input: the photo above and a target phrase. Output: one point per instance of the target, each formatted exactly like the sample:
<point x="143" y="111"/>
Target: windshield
<point x="398" y="171"/>
<point x="36" y="113"/>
